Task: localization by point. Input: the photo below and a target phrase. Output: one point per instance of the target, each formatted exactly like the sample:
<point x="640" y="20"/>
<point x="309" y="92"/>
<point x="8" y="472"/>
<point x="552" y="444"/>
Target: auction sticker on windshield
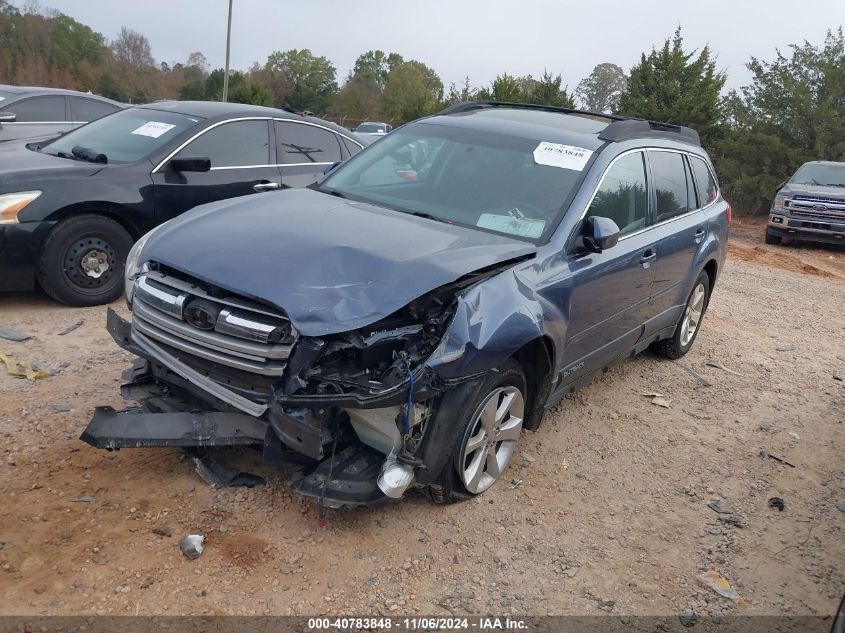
<point x="563" y="156"/>
<point x="523" y="227"/>
<point x="153" y="129"/>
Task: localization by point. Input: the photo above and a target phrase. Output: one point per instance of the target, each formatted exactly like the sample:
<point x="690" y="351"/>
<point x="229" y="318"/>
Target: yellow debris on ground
<point x="19" y="369"/>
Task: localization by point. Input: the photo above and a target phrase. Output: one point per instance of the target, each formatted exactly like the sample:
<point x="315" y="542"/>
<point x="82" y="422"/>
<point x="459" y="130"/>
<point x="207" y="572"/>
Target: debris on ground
<point x="718" y="365"/>
<point x="61" y="408"/>
<point x="733" y="519"/>
<point x="719" y="584"/>
<point x="688" y="618"/>
<point x="191" y="545"/>
<point x="841" y="506"/>
<point x="785" y="347"/>
<point x="162" y="530"/>
<point x="716" y="506"/>
<point x="780" y="460"/>
<point x="704" y="381"/>
<point x="20" y="370"/>
<point x="793" y="435"/>
<point x="658" y="399"/>
<point x="13" y="335"/>
<point x="838" y="376"/>
<point x="604" y="605"/>
<point x="71" y="328"/>
<point x="777" y="503"/>
<point x="216" y="474"/>
<point x="85" y="499"/>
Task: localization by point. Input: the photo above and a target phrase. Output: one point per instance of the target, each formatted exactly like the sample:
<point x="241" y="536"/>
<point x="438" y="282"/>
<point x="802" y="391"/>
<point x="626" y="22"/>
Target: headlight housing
<point x="781" y="203"/>
<point x="134" y="266"/>
<point x="13" y="203"/>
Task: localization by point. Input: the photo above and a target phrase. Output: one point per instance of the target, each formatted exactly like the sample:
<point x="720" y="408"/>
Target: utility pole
<point x="228" y="46"/>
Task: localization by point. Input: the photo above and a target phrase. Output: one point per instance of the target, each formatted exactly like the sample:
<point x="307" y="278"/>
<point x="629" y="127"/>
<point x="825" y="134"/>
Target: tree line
<point x="792" y="111"/>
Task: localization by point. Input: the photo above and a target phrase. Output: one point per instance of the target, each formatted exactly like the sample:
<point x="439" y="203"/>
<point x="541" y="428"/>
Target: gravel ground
<point x="607" y="508"/>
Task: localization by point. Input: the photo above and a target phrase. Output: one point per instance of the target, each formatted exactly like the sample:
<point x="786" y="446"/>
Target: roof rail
<point x="637" y="128"/>
<point x="621" y="128"/>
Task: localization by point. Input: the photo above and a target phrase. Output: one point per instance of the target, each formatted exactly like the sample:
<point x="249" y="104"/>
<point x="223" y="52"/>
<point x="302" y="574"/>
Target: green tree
<point x="358" y="100"/>
<point x="376" y="65"/>
<point x="548" y="90"/>
<point x="412" y="91"/>
<point x="302" y="81"/>
<point x="214" y="84"/>
<point x="248" y="92"/>
<point x="793" y="111"/>
<point x="600" y="91"/>
<point x="675" y="86"/>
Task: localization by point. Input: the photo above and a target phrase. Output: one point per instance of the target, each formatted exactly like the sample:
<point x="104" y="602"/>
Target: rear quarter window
<point x="708" y="190"/>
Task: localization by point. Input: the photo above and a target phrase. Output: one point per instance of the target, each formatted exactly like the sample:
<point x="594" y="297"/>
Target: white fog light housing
<point x="13" y="203"/>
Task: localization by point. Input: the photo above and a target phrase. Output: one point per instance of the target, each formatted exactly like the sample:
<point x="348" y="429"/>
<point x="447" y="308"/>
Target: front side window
<point x="235" y="144"/>
<point x="480" y="179"/>
<point x="39" y="110"/>
<point x="623" y="194"/>
<point x="708" y="191"/>
<point x="297" y="143"/>
<point x="671" y="184"/>
<point x="123" y="137"/>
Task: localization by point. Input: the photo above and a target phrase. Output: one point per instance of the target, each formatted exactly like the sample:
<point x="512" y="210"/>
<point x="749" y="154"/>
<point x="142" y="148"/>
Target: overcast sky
<point x="458" y="38"/>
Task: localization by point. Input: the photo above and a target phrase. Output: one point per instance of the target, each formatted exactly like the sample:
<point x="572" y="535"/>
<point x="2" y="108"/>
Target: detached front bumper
<point x="182" y="407"/>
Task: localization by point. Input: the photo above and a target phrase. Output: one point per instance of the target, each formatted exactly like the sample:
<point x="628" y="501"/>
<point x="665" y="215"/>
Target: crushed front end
<point x="349" y="411"/>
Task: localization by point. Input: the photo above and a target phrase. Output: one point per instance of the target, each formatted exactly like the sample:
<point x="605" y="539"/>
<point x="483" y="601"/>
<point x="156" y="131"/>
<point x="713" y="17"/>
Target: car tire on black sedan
<point x="82" y="260"/>
<point x="479" y="423"/>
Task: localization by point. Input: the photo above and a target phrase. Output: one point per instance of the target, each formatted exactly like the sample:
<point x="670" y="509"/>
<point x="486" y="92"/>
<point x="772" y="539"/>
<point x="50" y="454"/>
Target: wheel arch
<point x="712" y="270"/>
<point x="536" y="358"/>
<point x="123" y="215"/>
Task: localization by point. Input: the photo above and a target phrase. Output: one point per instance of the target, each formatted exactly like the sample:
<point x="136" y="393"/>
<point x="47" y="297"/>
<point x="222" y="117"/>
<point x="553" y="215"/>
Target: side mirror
<point x="190" y="164"/>
<point x="599" y="234"/>
<point x="8" y="117"/>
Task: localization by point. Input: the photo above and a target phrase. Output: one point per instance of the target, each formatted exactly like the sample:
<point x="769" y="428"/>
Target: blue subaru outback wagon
<point x="400" y="323"/>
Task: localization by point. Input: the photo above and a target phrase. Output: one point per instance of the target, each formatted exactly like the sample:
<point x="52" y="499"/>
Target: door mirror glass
<point x="599" y="234"/>
<point x="190" y="164"/>
<point x="8" y="117"/>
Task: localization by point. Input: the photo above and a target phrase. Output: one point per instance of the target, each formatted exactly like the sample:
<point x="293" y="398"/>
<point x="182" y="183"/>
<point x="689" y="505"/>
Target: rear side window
<point x="39" y="110"/>
<point x="672" y="185"/>
<point x="623" y="194"/>
<point x="297" y="143"/>
<point x="235" y="144"/>
<point x="707" y="189"/>
<point x="86" y="110"/>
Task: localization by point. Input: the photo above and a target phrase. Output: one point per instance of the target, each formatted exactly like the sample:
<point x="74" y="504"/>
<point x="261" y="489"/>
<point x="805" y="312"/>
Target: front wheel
<point x="687" y="329"/>
<point x="771" y="238"/>
<point x="480" y="423"/>
<point x="82" y="260"/>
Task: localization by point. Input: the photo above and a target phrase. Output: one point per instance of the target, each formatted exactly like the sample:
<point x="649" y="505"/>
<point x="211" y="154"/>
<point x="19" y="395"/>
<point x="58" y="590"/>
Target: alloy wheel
<point x="692" y="315"/>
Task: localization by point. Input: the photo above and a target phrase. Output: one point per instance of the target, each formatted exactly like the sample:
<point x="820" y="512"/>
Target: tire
<point x="683" y="337"/>
<point x="773" y="239"/>
<point x="66" y="264"/>
<point x="465" y="415"/>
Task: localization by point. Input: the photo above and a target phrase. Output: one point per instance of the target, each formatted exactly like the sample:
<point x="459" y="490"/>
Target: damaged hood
<point x="332" y="265"/>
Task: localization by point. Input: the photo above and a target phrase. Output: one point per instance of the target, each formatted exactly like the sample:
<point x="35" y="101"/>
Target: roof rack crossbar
<point x="620" y="128"/>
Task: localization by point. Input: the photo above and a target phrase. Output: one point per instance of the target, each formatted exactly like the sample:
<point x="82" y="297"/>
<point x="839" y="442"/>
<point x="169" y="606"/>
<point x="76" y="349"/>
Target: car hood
<point x="795" y="189"/>
<point x="21" y="165"/>
<point x="332" y="265"/>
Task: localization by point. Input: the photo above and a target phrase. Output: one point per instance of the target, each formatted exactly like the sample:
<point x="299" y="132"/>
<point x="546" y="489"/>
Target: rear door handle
<point x="699" y="235"/>
<point x="648" y="257"/>
<point x="266" y="186"/>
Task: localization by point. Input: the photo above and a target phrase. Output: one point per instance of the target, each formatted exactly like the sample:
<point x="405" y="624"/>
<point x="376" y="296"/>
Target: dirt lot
<point x="606" y="508"/>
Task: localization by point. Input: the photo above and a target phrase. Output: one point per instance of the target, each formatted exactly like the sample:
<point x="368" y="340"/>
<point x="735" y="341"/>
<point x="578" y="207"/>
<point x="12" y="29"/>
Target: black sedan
<point x="71" y="209"/>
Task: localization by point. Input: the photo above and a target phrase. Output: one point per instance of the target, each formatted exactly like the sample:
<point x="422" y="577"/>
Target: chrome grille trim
<point x="811" y="200"/>
<point x="245" y="364"/>
<point x="240" y="338"/>
<point x="812" y="214"/>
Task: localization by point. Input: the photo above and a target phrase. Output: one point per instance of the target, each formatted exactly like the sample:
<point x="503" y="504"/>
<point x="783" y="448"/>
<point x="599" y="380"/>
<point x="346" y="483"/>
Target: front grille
<point x="811" y="200"/>
<point x="817" y="215"/>
<point x="211" y="325"/>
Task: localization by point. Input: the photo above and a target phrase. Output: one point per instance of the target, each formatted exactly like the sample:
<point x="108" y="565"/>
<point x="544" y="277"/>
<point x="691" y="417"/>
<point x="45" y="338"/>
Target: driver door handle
<point x="266" y="186"/>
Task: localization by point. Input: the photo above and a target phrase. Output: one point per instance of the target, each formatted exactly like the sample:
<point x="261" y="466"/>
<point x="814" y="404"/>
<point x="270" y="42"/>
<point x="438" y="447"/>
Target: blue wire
<point x="410" y="399"/>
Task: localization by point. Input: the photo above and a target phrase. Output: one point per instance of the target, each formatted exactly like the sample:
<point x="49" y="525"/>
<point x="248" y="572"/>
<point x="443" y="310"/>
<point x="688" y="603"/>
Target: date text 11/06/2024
<point x="418" y="623"/>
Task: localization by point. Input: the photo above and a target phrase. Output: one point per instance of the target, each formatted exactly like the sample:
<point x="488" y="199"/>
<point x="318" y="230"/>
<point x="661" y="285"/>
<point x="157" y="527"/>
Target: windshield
<point x="370" y="128"/>
<point x="816" y="174"/>
<point x="122" y="137"/>
<point x="459" y="176"/>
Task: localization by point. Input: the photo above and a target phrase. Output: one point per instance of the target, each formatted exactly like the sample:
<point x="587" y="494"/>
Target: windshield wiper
<point x="87" y="154"/>
<point x="834" y="184"/>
